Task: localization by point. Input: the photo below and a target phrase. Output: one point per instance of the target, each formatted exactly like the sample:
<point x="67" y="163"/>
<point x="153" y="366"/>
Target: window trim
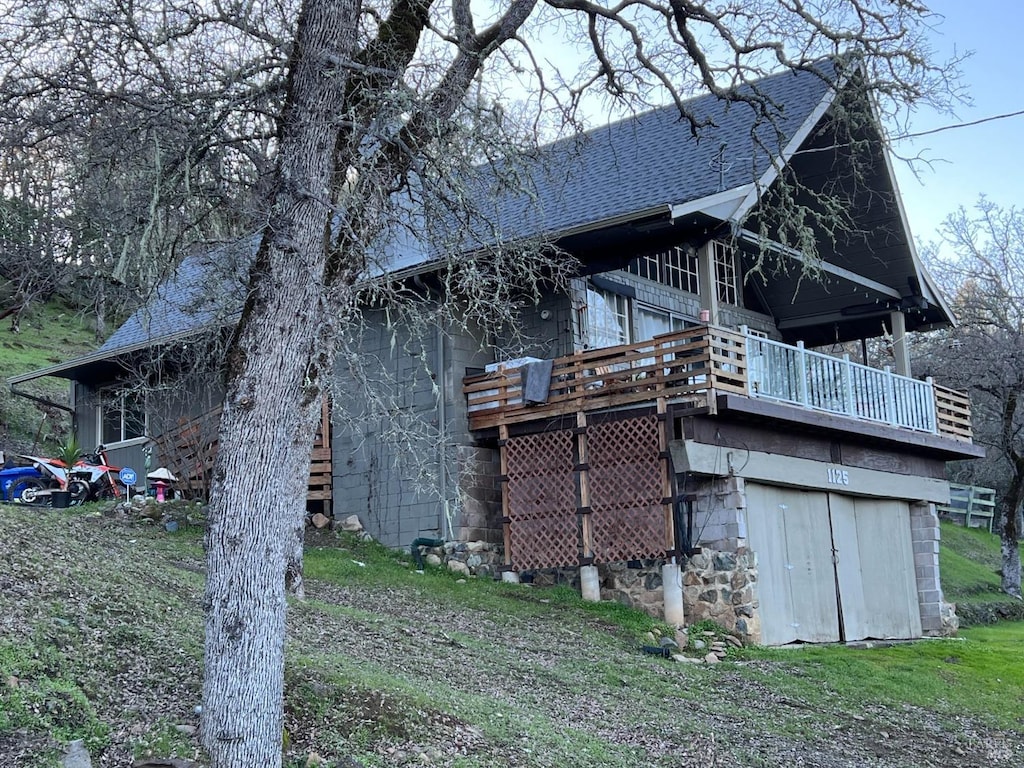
<point x="105" y="402"/>
<point x="724" y="260"/>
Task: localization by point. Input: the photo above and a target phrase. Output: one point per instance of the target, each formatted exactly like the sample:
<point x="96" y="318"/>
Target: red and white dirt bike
<point x="90" y="479"/>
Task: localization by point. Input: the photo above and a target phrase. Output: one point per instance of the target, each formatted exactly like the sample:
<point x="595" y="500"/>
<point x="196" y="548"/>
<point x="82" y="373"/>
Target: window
<point x="647" y="266"/>
<point x="122" y="417"/>
<point x="653" y="322"/>
<point x="681" y="269"/>
<point x="676" y="267"/>
<point x="726" y="273"/>
<point x="607" y="319"/>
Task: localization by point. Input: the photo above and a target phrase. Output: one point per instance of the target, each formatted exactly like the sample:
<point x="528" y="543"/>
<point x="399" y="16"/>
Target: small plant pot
<point x="61" y="499"/>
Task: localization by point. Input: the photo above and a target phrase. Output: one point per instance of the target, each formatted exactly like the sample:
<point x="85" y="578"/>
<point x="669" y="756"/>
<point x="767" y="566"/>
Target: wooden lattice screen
<point x="541" y="500"/>
<point x="598" y="493"/>
<point x="626" y="483"/>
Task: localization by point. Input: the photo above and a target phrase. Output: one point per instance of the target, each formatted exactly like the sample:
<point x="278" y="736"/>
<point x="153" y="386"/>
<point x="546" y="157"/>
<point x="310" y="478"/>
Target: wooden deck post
<point x="506" y="518"/>
<point x="586" y="531"/>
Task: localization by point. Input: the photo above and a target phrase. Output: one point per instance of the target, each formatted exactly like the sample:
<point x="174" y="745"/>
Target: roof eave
<point x="66" y="369"/>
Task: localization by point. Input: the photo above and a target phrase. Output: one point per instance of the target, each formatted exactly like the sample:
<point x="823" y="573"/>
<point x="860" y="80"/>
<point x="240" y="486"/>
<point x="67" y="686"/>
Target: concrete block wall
<point x="938" y="618"/>
<point x="719" y="520"/>
<point x="387" y="454"/>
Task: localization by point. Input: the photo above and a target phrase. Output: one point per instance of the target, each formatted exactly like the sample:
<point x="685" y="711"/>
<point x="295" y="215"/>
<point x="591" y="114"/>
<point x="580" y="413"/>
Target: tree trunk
<point x="281" y="351"/>
<point x="1009" y="537"/>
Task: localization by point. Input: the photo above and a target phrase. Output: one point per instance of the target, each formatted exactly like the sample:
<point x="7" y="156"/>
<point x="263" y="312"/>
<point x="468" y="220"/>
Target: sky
<point x="973" y="160"/>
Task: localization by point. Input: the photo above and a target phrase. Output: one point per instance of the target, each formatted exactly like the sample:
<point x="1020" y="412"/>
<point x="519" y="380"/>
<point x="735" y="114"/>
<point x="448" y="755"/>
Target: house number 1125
<point x="838" y="476"/>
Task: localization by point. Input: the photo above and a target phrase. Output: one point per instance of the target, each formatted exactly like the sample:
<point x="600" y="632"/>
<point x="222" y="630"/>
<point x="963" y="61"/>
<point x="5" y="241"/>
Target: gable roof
<point x="655" y="161"/>
<point x="650" y="165"/>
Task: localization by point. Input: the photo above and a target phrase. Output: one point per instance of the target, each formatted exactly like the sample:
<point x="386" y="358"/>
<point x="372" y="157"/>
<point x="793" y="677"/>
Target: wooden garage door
<point x="832" y="567"/>
<point x="875" y="566"/>
<point x="789" y="530"/>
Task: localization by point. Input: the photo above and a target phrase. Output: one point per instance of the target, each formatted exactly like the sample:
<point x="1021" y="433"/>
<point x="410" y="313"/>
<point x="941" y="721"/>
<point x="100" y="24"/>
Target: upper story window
<point x="607" y="319"/>
<point x="727" y="273"/>
<point x="679" y="268"/>
<point x="676" y="267"/>
<point x="122" y="416"/>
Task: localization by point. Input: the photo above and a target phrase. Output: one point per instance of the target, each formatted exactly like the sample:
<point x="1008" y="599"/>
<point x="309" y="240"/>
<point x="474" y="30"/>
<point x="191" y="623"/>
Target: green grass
<point x="356" y="562"/>
<point x="969" y="562"/>
<point x="980" y="674"/>
<point x="42" y="691"/>
<point x="50" y="333"/>
<point x="462" y="672"/>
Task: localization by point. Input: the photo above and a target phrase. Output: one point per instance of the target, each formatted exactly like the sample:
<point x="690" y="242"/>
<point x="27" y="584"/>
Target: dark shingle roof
<point x="654" y="159"/>
<point x="626" y="167"/>
<point x="185" y="302"/>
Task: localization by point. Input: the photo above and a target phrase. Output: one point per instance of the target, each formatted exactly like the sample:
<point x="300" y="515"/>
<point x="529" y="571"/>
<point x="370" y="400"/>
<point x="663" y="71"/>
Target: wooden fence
<point x="970" y="504"/>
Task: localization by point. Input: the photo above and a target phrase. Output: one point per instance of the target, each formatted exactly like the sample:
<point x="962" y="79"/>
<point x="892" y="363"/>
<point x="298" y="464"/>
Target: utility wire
<point x="1018" y="113"/>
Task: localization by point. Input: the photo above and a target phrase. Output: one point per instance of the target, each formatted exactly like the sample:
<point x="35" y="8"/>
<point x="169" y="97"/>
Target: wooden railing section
<point x="190" y="448"/>
<point x="953" y="413"/>
<point x="679" y="366"/>
<point x="689" y="365"/>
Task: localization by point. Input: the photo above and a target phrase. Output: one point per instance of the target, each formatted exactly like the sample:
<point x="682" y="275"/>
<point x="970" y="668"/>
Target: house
<point x="683" y="426"/>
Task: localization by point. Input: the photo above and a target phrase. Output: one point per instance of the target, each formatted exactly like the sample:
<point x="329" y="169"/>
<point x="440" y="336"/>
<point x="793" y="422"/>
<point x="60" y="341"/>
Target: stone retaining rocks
<point x="722" y="587"/>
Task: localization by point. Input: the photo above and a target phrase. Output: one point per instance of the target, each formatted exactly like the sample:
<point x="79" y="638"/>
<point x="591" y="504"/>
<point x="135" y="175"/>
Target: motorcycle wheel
<point x="27" y="489"/>
<point x="79" y="492"/>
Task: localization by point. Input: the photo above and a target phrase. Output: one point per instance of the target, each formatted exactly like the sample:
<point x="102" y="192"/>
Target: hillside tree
<point x="376" y="105"/>
<point x="982" y="270"/>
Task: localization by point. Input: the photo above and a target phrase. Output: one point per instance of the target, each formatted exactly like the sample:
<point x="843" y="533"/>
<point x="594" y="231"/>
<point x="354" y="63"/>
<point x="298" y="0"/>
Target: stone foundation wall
<point x="468" y="558"/>
<point x="636" y="584"/>
<point x="722" y="587"/>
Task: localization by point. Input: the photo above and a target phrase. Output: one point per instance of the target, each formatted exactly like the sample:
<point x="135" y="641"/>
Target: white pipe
<point x="672" y="586"/>
<point x="590" y="583"/>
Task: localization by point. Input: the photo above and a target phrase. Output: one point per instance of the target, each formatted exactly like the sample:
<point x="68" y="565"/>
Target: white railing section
<point x="837" y="385"/>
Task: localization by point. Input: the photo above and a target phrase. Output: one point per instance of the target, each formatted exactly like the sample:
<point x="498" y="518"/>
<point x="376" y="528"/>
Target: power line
<point x="1018" y="113"/>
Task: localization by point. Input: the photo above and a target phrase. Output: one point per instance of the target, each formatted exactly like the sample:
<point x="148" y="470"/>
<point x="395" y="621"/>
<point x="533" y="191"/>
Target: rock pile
<point x="696" y="647"/>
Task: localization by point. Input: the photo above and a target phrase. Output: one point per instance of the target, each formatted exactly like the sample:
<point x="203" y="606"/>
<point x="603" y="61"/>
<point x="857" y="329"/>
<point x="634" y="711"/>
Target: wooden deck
<point x="694" y="366"/>
<point x="189" y="451"/>
<point x="679" y="366"/>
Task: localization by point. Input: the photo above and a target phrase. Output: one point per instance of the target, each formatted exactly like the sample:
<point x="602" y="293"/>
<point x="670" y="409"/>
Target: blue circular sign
<point x="127" y="476"/>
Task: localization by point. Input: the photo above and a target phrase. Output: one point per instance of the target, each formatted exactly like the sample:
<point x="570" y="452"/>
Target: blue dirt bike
<point x="22" y="484"/>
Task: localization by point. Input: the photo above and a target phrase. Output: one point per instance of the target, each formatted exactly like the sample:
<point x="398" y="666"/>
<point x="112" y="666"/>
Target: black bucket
<point x="61" y="499"/>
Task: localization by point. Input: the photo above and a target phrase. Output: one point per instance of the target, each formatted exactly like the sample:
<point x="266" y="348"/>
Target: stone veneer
<point x="722" y="587"/>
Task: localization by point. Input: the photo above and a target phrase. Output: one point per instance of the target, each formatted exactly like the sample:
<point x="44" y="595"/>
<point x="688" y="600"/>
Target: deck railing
<point x="694" y="364"/>
<point x="682" y="365"/>
<point x="837" y="385"/>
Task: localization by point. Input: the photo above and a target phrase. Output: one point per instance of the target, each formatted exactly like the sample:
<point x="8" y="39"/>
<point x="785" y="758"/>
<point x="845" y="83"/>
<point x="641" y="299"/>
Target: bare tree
<point x="984" y="275"/>
<point x="365" y="115"/>
<point x="381" y="113"/>
<point x="151" y="125"/>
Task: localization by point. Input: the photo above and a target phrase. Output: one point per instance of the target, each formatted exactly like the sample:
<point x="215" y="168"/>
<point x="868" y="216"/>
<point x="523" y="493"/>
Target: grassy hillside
<point x="49" y="334"/>
<point x="969" y="562"/>
<point x="100" y="639"/>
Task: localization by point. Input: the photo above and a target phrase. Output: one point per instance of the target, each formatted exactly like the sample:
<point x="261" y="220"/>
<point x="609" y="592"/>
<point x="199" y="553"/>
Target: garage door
<point x="831" y="567"/>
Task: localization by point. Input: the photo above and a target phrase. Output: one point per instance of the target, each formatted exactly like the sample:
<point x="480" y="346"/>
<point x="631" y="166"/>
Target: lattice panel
<point x="626" y="484"/>
<point x="541" y="493"/>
